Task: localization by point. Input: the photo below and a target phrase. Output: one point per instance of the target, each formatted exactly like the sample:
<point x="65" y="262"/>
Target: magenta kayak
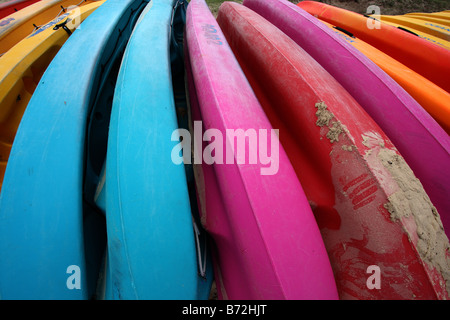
<point x="268" y="245"/>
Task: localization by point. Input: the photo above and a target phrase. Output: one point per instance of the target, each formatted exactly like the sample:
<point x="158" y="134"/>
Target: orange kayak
<point x="426" y="58"/>
<point x="432" y="98"/>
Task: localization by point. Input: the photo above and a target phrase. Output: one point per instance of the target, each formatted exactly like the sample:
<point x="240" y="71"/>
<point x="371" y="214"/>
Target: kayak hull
<point x="146" y="202"/>
<point x="267" y="242"/>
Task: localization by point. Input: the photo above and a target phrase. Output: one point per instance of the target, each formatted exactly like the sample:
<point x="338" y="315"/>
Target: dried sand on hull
<point x="411" y="201"/>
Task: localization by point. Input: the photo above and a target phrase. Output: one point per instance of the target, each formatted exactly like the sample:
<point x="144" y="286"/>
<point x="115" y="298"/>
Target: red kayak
<point x="383" y="236"/>
<point x="10" y="7"/>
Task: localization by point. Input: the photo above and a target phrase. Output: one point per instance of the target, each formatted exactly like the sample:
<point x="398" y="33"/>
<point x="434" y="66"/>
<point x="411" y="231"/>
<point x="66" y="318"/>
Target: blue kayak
<point x="52" y="235"/>
<point x="155" y="248"/>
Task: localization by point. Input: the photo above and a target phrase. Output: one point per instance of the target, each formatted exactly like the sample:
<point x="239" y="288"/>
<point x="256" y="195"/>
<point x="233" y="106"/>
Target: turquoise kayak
<point x="52" y="235"/>
<point x="156" y="249"/>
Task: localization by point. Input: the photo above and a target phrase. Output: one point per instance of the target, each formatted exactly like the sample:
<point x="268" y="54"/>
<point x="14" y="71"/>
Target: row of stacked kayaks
<point x="110" y="189"/>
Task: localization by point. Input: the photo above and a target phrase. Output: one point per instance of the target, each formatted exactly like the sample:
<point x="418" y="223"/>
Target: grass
<point x="215" y="4"/>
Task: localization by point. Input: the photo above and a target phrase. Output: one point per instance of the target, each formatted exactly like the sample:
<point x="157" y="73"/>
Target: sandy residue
<point x="348" y="148"/>
<point x="323" y="114"/>
<point x="324" y="117"/>
<point x="408" y="204"/>
<point x="411" y="201"/>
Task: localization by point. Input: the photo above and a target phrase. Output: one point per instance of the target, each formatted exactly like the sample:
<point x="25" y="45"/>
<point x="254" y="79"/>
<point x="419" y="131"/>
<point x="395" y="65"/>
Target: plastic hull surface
<point x="267" y="242"/>
<point x="148" y="211"/>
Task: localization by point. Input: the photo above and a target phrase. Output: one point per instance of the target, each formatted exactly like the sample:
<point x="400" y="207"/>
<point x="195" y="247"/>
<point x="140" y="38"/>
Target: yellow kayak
<point x="22" y="23"/>
<point x="444" y="15"/>
<point x="432" y="19"/>
<point x="435" y="100"/>
<point x="434" y="30"/>
<point x="22" y="67"/>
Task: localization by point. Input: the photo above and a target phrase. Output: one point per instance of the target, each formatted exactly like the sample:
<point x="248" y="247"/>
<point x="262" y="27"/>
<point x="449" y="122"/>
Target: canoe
<point x="21" y="69"/>
<point x="424" y="57"/>
<point x="52" y="238"/>
<point x="21" y="24"/>
<point x="380" y="96"/>
<point x="151" y="243"/>
<point x="432" y="98"/>
<point x="267" y="243"/>
<point x="436" y="28"/>
<point x="10" y="7"/>
<point x="362" y="192"/>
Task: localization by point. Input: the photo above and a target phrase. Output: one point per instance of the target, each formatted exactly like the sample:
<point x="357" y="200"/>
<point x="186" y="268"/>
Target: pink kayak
<point x="383" y="235"/>
<point x="268" y="245"/>
<point x="420" y="140"/>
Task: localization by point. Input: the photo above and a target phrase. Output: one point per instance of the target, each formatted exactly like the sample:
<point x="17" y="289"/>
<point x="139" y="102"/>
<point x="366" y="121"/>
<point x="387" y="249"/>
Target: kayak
<point x="436" y="28"/>
<point x="428" y="18"/>
<point x="432" y="98"/>
<point x="10" y="7"/>
<point x="267" y="244"/>
<point x="368" y="204"/>
<point x="424" y="57"/>
<point x="51" y="237"/>
<point x="22" y="67"/>
<point x="380" y="96"/>
<point x="21" y="24"/>
<point x="443" y="15"/>
<point x="433" y="39"/>
<point x="152" y="251"/>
